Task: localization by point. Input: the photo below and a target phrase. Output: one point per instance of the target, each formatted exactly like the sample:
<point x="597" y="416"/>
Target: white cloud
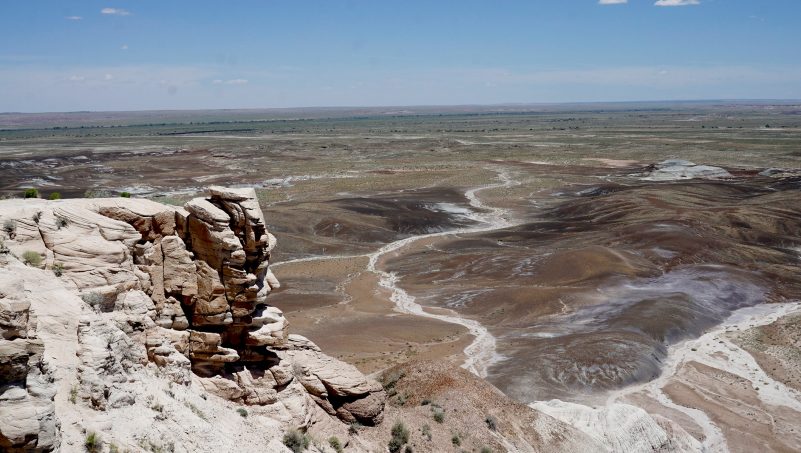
<point x="612" y="2"/>
<point x="108" y="77"/>
<point x="124" y="47"/>
<point x="230" y="82"/>
<point x="115" y="12"/>
<point x="74" y="18"/>
<point x="677" y="2"/>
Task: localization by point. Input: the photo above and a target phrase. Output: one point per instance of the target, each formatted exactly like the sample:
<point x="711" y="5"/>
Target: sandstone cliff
<point x="132" y="296"/>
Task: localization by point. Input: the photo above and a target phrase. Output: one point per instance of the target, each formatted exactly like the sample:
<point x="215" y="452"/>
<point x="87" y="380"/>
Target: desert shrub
<point x="58" y="269"/>
<point x="9" y="226"/>
<point x="3" y="249"/>
<point x="242" y="412"/>
<point x="400" y="436"/>
<point x="30" y="193"/>
<point x="335" y="444"/>
<point x="408" y="449"/>
<point x="492" y="422"/>
<point x="37" y="216"/>
<point x="390" y="379"/>
<point x="61" y="222"/>
<point x="438" y="414"/>
<point x="93" y="299"/>
<point x="74" y="394"/>
<point x="455" y="440"/>
<point x="54" y="196"/>
<point x="125" y="194"/>
<point x="353" y="428"/>
<point x="92" y="443"/>
<point x="296" y="440"/>
<point x="113" y="448"/>
<point x="486" y="450"/>
<point x="426" y="431"/>
<point x="32" y="258"/>
<point x="97" y="193"/>
<point x="425" y="402"/>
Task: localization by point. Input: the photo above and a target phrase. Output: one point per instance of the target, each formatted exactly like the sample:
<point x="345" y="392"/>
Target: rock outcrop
<point x="179" y="289"/>
<point x="675" y="169"/>
<point x="27" y="412"/>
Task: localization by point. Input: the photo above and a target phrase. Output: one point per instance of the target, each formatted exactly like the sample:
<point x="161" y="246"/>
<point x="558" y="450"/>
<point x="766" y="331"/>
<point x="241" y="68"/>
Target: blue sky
<point x="60" y="55"/>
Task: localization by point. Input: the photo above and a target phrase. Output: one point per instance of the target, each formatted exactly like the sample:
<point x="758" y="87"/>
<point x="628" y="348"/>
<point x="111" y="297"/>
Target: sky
<point x="70" y="55"/>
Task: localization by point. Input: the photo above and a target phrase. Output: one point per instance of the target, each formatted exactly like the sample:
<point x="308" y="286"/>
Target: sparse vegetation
<point x="486" y="450"/>
<point x="10" y="226"/>
<point x="456" y="440"/>
<point x="438" y="413"/>
<point x="425" y="402"/>
<point x="74" y="394"/>
<point x="492" y="422"/>
<point x="400" y="437"/>
<point x="54" y="196"/>
<point x="97" y="193"/>
<point x="30" y="193"/>
<point x="125" y="194"/>
<point x="93" y="299"/>
<point x="196" y="410"/>
<point x="389" y="380"/>
<point x="426" y="432"/>
<point x="61" y="222"/>
<point x="296" y="440"/>
<point x="112" y="448"/>
<point x="92" y="442"/>
<point x="334" y="442"/>
<point x="353" y="428"/>
<point x="32" y="258"/>
<point x="37" y="216"/>
<point x="58" y="269"/>
<point x="242" y="412"/>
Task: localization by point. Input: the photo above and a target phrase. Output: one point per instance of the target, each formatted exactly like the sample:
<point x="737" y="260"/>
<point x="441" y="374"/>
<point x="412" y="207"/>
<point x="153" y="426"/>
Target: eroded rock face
<point x="27" y="412"/>
<point x="185" y="289"/>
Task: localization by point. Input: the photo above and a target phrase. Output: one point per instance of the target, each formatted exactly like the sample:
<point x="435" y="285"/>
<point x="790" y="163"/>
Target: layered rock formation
<point x="27" y="412"/>
<point x="179" y="289"/>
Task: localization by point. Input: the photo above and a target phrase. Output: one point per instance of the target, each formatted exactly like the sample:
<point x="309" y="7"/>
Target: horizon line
<point x="733" y="101"/>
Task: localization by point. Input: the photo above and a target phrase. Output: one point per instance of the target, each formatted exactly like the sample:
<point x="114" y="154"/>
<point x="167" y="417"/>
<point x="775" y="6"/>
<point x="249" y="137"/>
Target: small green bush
<point x="296" y="441"/>
<point x="400" y="436"/>
<point x="353" y="428"/>
<point x="455" y="440"/>
<point x="438" y="414"/>
<point x="31" y="193"/>
<point x="92" y="443"/>
<point x="9" y="226"/>
<point x="54" y="196"/>
<point x="125" y="194"/>
<point x="486" y="450"/>
<point x="335" y="444"/>
<point x="93" y="299"/>
<point x="32" y="258"/>
<point x="242" y="411"/>
<point x="58" y="269"/>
